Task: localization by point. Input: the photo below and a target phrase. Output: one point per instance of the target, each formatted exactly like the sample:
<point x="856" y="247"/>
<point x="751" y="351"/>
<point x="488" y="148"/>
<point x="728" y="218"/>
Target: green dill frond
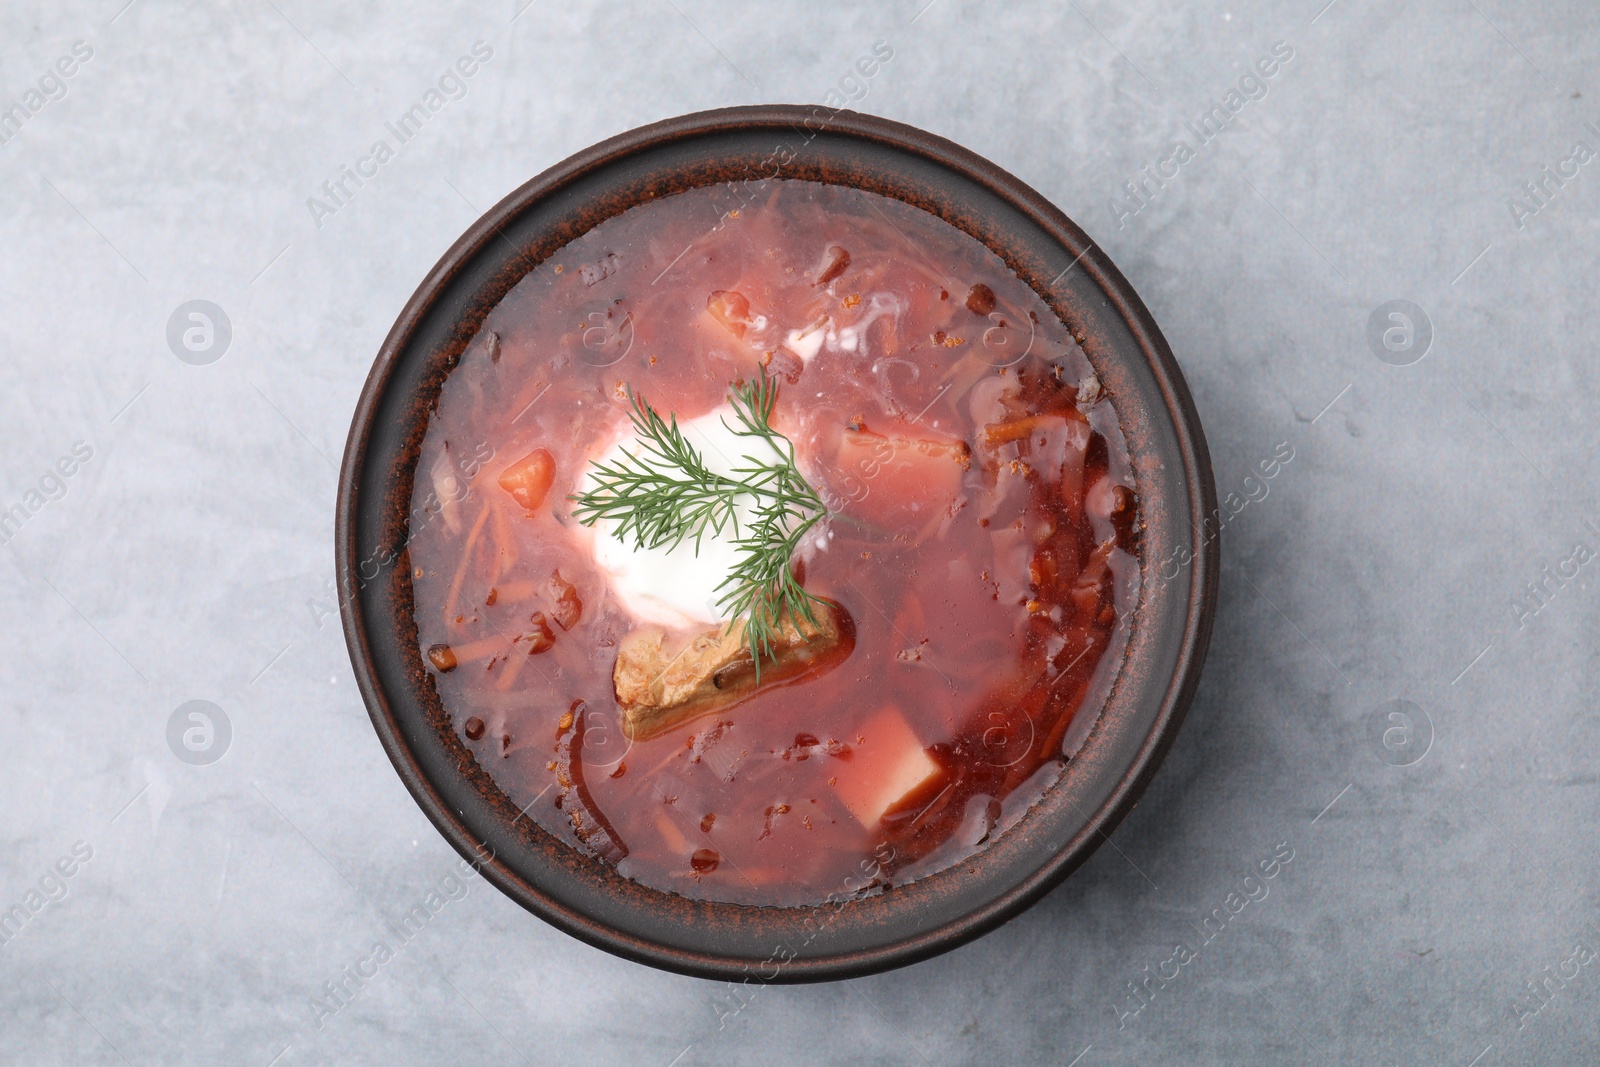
<point x="665" y="495"/>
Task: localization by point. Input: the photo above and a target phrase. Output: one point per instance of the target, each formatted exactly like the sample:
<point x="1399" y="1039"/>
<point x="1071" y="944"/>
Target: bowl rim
<point x="1175" y="400"/>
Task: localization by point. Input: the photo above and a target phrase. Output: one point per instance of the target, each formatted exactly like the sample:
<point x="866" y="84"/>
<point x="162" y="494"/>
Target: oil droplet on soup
<point x="979" y="553"/>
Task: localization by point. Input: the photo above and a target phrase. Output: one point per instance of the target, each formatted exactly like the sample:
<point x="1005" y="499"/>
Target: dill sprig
<point x="664" y="495"/>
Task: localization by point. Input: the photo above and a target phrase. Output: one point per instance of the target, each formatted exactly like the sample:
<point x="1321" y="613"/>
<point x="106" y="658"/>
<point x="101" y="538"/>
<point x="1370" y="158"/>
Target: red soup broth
<point x="984" y="543"/>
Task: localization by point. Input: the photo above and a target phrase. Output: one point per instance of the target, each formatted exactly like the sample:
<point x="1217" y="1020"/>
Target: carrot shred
<point x="1000" y="433"/>
<point x="515" y="592"/>
<point x="508" y="676"/>
<point x="472" y="651"/>
<point x="466" y="558"/>
<point x="505" y="544"/>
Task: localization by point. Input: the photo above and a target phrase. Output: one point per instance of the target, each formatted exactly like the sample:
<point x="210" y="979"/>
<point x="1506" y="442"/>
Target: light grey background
<point x="191" y="557"/>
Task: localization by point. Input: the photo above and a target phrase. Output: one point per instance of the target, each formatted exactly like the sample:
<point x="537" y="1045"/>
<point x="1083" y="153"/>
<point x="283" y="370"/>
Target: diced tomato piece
<point x="896" y="480"/>
<point x="568" y="608"/>
<point x="528" y="480"/>
<point x="731" y="308"/>
<point x="541" y="638"/>
<point x="838" y="263"/>
<point x="784" y="364"/>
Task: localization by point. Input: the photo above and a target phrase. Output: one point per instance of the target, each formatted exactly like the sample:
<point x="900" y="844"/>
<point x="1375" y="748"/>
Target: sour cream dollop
<point x="677" y="587"/>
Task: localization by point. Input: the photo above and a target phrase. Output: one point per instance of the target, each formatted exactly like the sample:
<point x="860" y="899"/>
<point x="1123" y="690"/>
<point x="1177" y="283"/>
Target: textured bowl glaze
<point x="1168" y="634"/>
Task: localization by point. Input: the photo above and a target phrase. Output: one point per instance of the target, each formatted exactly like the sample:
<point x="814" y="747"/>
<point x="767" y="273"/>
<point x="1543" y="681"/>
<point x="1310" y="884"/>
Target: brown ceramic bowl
<point x="1170" y="631"/>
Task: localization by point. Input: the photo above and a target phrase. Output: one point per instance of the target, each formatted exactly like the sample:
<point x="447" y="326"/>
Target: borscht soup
<point x="774" y="549"/>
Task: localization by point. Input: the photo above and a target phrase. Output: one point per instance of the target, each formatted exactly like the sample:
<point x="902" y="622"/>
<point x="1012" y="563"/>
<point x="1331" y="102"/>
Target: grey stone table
<point x="1399" y="697"/>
